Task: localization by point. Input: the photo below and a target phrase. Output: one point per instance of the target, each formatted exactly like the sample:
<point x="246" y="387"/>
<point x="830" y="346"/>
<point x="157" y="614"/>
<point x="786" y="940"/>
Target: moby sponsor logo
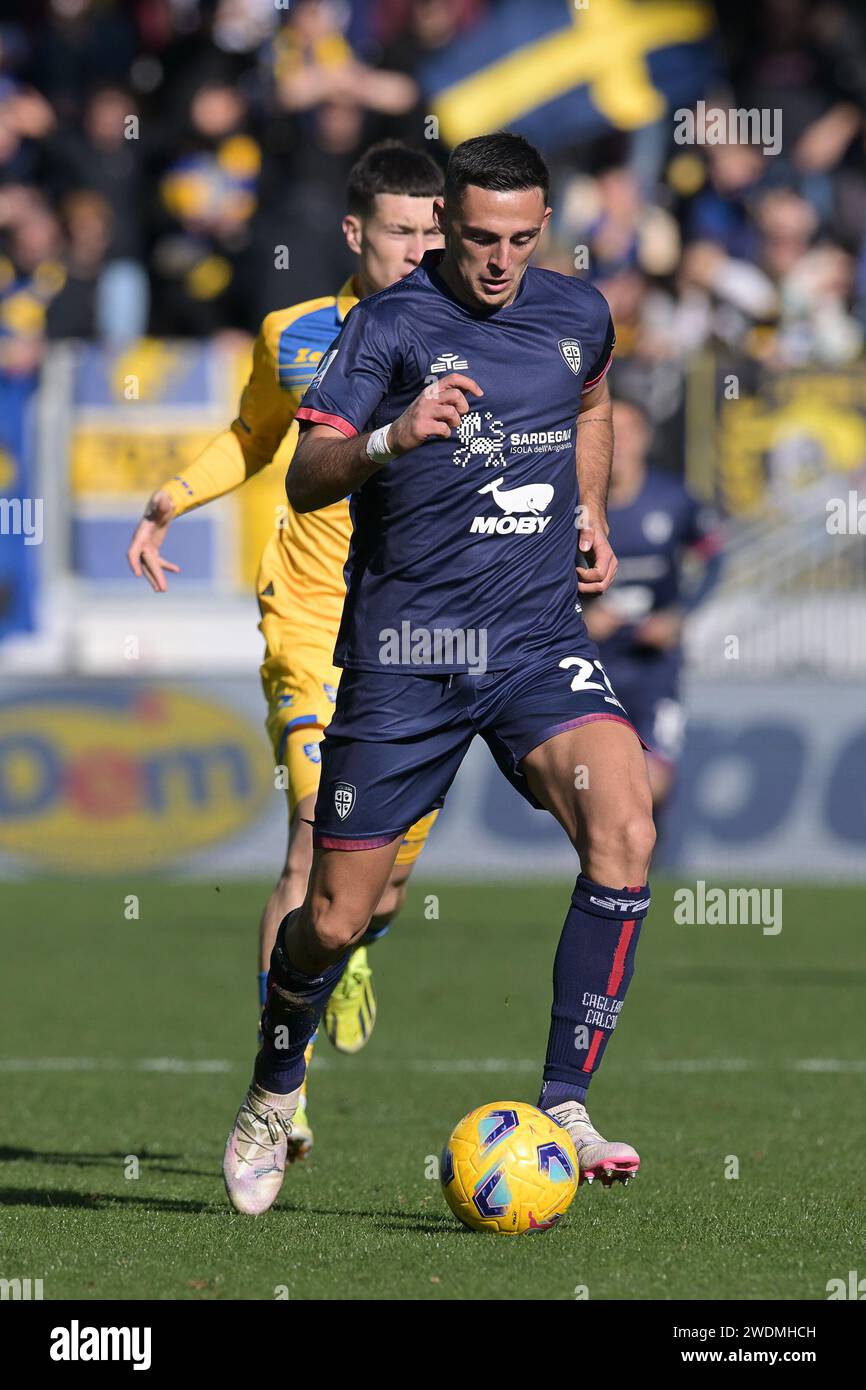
<point x="522" y="508"/>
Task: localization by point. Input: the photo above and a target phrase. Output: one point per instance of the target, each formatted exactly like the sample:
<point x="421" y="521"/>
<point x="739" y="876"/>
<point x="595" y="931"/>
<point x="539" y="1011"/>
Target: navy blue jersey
<point x="475" y="533"/>
<point x="649" y="538"/>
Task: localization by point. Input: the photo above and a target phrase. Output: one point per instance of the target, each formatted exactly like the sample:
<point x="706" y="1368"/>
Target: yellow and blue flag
<point x="559" y="71"/>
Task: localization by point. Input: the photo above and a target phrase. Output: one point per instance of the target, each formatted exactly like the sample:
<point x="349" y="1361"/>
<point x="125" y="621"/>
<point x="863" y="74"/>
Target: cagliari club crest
<point x="344" y="798"/>
<point x="570" y="349"/>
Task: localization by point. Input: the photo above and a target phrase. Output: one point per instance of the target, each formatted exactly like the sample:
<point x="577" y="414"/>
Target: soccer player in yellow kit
<point x="389" y="226"/>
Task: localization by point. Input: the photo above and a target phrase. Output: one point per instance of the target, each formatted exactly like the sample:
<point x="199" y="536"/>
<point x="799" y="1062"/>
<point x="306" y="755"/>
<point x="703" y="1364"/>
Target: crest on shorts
<point x="344" y="799"/>
<point x="570" y="349"/>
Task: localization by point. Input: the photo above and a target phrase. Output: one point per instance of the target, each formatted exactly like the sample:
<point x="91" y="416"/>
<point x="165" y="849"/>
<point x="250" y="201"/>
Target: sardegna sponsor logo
<point x="104" y="778"/>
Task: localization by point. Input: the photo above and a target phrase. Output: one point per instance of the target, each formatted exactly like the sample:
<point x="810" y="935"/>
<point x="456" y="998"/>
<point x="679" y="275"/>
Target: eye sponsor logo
<point x="449" y="362"/>
<point x="523" y="509"/>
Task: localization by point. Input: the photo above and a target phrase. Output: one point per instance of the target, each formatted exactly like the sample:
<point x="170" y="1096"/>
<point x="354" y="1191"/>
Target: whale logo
<point x="532" y="497"/>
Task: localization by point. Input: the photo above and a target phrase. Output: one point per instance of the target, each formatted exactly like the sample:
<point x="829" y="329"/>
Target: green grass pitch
<point x="732" y="1044"/>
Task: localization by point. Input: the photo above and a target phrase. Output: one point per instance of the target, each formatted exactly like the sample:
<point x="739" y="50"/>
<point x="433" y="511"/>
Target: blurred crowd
<point x="155" y="155"/>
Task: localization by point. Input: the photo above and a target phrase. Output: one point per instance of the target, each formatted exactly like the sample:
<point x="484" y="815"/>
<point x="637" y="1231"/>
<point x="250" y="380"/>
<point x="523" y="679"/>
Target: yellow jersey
<point x="306" y="553"/>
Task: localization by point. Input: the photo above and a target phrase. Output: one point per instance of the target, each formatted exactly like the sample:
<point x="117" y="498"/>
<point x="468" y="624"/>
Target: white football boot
<point x="598" y="1158"/>
<point x="255" y="1156"/>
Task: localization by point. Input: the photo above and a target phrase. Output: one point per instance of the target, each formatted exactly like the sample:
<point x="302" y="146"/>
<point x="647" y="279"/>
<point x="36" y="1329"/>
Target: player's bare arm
<point x="327" y="466"/>
<point x="594" y="456"/>
<point x="237" y="454"/>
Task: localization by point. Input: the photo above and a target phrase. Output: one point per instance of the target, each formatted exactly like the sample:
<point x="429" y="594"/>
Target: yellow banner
<point x="795" y="428"/>
<point x="105" y="461"/>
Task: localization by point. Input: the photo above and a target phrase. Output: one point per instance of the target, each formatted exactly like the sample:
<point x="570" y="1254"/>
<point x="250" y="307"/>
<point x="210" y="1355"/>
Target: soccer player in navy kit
<point x="460" y="410"/>
<point x="638" y="626"/>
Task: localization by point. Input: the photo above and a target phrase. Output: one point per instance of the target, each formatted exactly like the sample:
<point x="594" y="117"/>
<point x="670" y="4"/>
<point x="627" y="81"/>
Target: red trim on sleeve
<point x="588" y="385"/>
<point x="321" y="417"/>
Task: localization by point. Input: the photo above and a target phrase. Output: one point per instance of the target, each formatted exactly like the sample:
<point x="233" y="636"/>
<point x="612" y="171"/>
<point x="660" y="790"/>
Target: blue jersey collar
<point x="429" y="265"/>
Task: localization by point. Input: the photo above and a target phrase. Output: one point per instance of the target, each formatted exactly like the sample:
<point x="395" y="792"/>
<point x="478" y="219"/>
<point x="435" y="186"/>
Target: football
<point x="509" y="1168"/>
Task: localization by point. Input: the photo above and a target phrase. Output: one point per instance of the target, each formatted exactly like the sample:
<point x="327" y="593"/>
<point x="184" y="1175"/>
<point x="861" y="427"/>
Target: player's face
<point x="490" y="237"/>
<point x="392" y="240"/>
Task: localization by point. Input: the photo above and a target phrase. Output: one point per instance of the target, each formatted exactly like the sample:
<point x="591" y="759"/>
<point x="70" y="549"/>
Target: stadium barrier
<point x="135" y="777"/>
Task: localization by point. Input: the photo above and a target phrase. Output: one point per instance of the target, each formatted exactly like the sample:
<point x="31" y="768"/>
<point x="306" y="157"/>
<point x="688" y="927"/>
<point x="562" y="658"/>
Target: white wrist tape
<point x="377" y="446"/>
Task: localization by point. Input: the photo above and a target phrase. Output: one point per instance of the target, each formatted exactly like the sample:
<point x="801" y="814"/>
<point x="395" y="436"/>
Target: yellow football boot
<point x="350" y="1014"/>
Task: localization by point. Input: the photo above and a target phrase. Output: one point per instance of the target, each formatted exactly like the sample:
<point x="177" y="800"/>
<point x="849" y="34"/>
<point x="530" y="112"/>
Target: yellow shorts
<point x="300" y="684"/>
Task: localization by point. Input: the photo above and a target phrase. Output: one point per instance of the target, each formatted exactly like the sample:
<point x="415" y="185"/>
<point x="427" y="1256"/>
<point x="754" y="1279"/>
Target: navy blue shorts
<point x="653" y="703"/>
<point x="396" y="740"/>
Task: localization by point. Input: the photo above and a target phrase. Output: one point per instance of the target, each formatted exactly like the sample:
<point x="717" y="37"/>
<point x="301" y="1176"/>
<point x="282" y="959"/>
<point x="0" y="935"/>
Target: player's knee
<point x="335" y="924"/>
<point x="620" y="848"/>
<point x="637" y="837"/>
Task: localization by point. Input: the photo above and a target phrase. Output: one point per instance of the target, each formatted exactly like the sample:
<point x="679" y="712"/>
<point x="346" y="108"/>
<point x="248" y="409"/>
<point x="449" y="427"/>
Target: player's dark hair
<point x="502" y="162"/>
<point x="389" y="166"/>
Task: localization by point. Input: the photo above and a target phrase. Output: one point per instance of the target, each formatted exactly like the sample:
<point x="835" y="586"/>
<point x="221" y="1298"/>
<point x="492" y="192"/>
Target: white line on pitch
<point x="704" y="1064"/>
<point x="444" y="1066"/>
<point x="827" y="1064"/>
<point x="171" y="1064"/>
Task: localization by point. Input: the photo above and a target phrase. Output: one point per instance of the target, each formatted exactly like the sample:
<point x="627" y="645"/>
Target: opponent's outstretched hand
<point x="144" y="549"/>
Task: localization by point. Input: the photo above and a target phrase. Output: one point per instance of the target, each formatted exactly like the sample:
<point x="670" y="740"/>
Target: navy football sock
<point x="294" y="1005"/>
<point x="591" y="972"/>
